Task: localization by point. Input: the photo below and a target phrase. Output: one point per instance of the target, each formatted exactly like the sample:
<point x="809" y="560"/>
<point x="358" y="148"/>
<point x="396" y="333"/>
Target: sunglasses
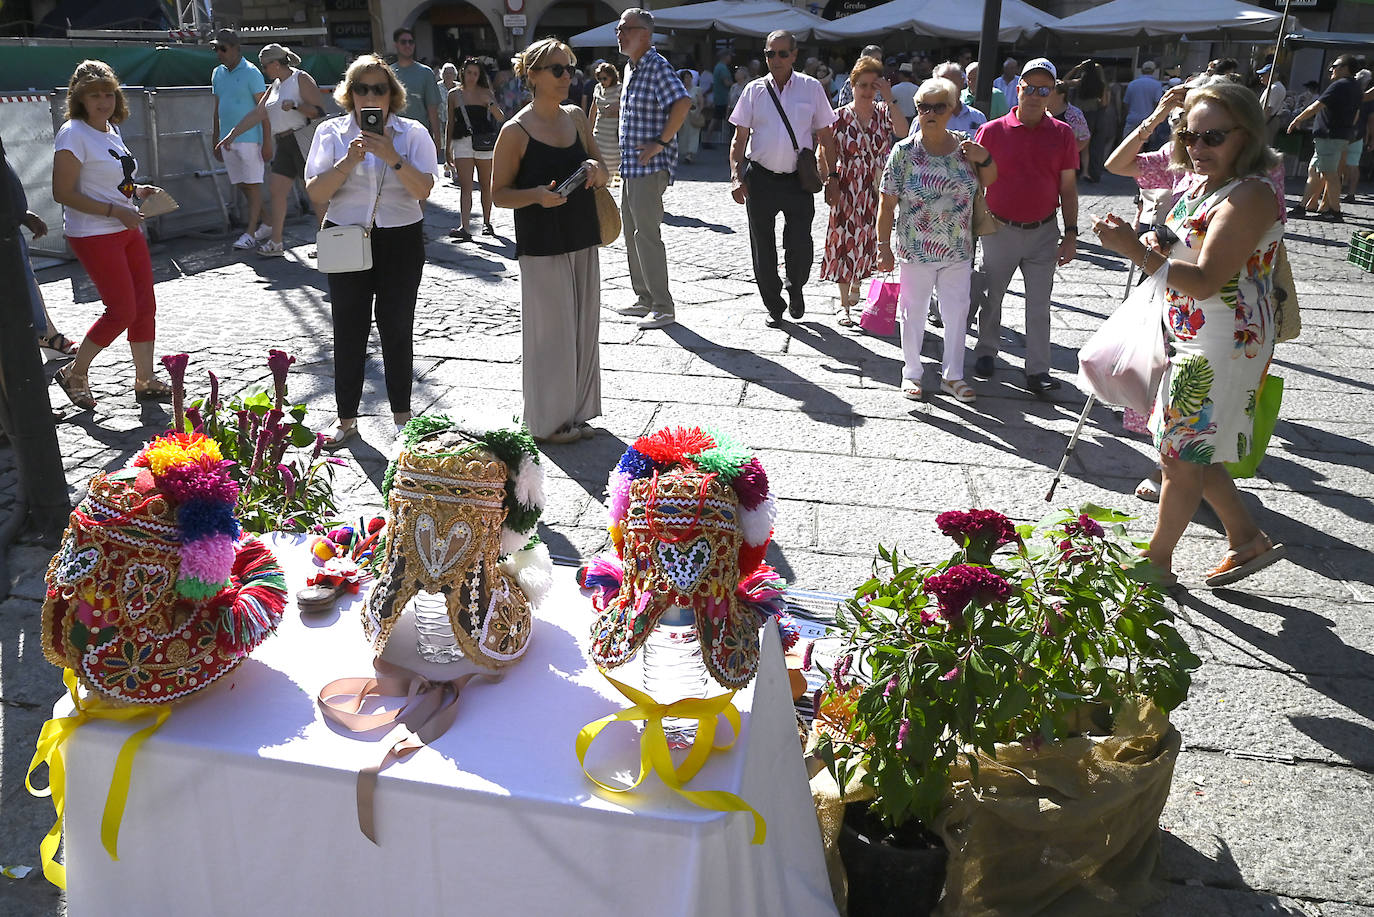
<point x="1041" y="91"/>
<point x="376" y="89"/>
<point x="939" y="108"/>
<point x="556" y="69"/>
<point x="1214" y="137"/>
<point x="782" y="54"/>
<point x="629" y="28"/>
<point x="405" y="41"/>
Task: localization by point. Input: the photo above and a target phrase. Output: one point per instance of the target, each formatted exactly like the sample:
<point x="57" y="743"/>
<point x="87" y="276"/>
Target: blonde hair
<point x="92" y="75"/>
<point x="1255" y="158"/>
<point x="343" y="94"/>
<point x="939" y="86"/>
<point x="533" y="57"/>
<point x="865" y="65"/>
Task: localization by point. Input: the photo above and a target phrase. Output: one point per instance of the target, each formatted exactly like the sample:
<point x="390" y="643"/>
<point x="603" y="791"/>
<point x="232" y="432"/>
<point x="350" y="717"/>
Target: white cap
<point x="906" y="68"/>
<point x="1040" y="63"/>
<point x="1147" y="67"/>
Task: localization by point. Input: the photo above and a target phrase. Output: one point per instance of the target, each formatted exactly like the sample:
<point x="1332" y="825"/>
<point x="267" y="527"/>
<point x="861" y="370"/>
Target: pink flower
<point x="279" y="361"/>
<point x="288" y="480"/>
<point x="1085" y="525"/>
<point x="965" y="583"/>
<point x="891" y="687"/>
<point x="903" y="731"/>
<point x="176" y="366"/>
<point x="980" y="531"/>
<point x="806" y="656"/>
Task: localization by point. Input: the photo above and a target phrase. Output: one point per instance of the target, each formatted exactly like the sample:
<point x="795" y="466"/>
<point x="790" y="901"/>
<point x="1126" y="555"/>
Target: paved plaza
<point x="1270" y="809"/>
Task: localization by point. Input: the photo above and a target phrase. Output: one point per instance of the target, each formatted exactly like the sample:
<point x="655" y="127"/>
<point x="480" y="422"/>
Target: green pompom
<point x="199" y="590"/>
<point x="726" y="459"/>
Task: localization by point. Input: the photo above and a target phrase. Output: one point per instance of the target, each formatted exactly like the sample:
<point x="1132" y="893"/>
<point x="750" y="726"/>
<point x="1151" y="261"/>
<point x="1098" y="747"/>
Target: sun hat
<point x="275" y="52"/>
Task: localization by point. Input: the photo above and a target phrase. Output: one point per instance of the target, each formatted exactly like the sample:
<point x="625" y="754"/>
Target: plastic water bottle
<point x="673" y="669"/>
<point x="435" y="642"/>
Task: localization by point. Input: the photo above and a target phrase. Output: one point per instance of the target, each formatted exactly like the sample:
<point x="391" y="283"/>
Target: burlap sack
<point x="1070" y="830"/>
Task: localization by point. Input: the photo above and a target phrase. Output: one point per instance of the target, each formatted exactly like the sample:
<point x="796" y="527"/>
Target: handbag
<point x="807" y="174"/>
<point x="1267" y="402"/>
<point x="984" y="223"/>
<point x="342" y="249"/>
<point x="484" y="142"/>
<point x="1123" y="362"/>
<point x="880" y="310"/>
<point x="1288" y="320"/>
<point x="607" y="213"/>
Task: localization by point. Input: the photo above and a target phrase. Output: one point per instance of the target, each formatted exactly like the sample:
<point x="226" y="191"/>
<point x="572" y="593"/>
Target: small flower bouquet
<point x="1026" y="634"/>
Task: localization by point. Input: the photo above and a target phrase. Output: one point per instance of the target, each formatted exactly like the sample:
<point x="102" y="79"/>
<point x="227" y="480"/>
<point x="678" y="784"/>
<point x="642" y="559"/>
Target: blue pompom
<point x="203" y="518"/>
<point x="636" y="464"/>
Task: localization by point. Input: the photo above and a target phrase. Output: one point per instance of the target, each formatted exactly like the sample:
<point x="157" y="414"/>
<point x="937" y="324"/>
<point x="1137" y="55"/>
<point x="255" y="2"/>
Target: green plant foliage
<point x="1064" y="621"/>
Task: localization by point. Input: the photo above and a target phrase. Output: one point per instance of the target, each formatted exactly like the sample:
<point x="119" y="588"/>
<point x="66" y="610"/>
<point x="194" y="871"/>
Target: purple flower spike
<point x="288" y="480"/>
<point x="197" y="422"/>
<point x="902" y="732"/>
<point x="176" y="368"/>
<point x="891" y="687"/>
<point x="806" y="656"/>
<point x="279" y="361"/>
<point x="214" y="390"/>
<point x="319" y="447"/>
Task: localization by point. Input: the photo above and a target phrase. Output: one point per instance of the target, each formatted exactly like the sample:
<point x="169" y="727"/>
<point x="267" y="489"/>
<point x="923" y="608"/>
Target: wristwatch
<point x="663" y="143"/>
<point x="399" y="163"/>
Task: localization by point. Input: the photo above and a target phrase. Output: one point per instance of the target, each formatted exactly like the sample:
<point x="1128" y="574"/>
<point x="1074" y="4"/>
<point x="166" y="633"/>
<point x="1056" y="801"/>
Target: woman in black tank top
<point x="557" y="243"/>
<point x="472" y="112"/>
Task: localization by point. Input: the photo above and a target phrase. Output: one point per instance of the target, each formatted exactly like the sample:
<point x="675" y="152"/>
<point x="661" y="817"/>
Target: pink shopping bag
<point x="880" y="313"/>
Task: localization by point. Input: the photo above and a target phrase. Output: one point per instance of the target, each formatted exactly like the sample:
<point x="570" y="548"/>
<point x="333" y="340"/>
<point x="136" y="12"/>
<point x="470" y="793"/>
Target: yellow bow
<point x="53" y="736"/>
<point x="654" y="753"/>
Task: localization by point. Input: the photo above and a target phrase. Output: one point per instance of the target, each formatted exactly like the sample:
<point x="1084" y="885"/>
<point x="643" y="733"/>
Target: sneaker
<point x="983" y="368"/>
<point x="270" y="249"/>
<point x="656" y="320"/>
<point x="1040" y="383"/>
<point x="638" y="310"/>
<point x="263" y="234"/>
<point x="245" y="242"/>
<point x="1297" y="213"/>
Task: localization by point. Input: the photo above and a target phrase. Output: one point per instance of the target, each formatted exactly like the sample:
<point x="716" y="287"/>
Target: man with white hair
<point x="1142" y="95"/>
<point x="1009" y="78"/>
<point x="966" y="118"/>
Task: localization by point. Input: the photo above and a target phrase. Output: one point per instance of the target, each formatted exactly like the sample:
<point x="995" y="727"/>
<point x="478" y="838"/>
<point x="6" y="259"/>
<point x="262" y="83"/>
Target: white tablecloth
<point x="244" y="802"/>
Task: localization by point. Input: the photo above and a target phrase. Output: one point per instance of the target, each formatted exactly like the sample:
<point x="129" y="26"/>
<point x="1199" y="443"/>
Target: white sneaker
<point x="270" y="249"/>
<point x="638" y="310"/>
<point x="656" y="320"/>
<point x="245" y="242"/>
<point x="264" y="232"/>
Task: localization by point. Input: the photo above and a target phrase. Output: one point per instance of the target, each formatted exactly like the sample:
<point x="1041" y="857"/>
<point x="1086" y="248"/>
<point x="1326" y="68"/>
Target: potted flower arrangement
<point x="1025" y="638"/>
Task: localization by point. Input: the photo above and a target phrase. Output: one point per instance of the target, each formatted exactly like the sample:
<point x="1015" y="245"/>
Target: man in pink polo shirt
<point x="1037" y="168"/>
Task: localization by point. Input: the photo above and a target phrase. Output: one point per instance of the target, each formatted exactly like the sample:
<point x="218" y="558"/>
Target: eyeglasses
<point x="629" y="28"/>
<point x="556" y="69"/>
<point x="1214" y="137"/>
<point x="939" y="108"/>
<point x="376" y="89"/>
<point x="405" y="41"/>
<point x="780" y="54"/>
<point x="1041" y="91"/>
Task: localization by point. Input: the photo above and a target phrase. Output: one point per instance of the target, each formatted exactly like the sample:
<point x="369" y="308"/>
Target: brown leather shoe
<point x="1251" y="557"/>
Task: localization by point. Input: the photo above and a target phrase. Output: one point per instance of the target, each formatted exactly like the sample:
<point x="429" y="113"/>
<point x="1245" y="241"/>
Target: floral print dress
<point x="851" y="242"/>
<point x="1219" y="348"/>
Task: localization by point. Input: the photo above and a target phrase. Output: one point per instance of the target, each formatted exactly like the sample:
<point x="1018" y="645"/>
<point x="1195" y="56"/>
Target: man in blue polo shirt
<point x="653" y="105"/>
<point x="238" y="86"/>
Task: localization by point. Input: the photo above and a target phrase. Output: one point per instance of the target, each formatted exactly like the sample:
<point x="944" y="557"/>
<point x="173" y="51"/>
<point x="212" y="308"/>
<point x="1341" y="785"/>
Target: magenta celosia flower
<point x="891" y="687"/>
<point x="279" y="361"/>
<point x="176" y="369"/>
<point x="981" y="531"/>
<point x="213" y="400"/>
<point x="176" y="366"/>
<point x="197" y="422"/>
<point x="319" y="447"/>
<point x="965" y="583"/>
<point x="951" y="674"/>
<point x="288" y="480"/>
<point x="806" y="656"/>
<point x="903" y="730"/>
<point x="1085" y="525"/>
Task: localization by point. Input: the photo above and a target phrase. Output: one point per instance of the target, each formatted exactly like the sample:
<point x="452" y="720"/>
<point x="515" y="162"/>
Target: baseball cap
<point x="227" y="37"/>
<point x="1265" y="69"/>
<point x="1040" y="63"/>
<point x="1147" y="67"/>
<point x="905" y="68"/>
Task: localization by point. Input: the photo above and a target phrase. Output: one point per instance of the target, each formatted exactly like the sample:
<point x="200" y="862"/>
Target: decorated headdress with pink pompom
<point x="155" y="592"/>
<point x="691" y="516"/>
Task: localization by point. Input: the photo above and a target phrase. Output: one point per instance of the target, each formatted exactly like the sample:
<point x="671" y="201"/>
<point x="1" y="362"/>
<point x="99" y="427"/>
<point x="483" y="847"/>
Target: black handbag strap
<point x="462" y="107"/>
<point x="785" y="122"/>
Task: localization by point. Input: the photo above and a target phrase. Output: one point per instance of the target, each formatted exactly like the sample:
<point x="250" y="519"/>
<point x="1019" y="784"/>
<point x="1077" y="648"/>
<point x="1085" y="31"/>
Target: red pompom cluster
<point x="965" y="583"/>
<point x="672" y="445"/>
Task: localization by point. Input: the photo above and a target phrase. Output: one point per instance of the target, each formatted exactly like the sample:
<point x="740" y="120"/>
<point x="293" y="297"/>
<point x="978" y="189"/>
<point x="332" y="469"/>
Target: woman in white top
<point x="289" y="104"/>
<point x="474" y="119"/>
<point x="375" y="178"/>
<point x="689" y="135"/>
<point x="448" y="80"/>
<point x="93" y="180"/>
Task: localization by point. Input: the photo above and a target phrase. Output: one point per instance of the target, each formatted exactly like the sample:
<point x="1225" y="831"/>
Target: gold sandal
<point x="77" y="386"/>
<point x="152" y="390"/>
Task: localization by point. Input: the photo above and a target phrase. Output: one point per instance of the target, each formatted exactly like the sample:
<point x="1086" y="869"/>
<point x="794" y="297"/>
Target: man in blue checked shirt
<point x="653" y="105"/>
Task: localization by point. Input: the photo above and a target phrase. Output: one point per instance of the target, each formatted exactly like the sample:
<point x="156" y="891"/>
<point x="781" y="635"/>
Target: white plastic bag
<point x="1123" y="362"/>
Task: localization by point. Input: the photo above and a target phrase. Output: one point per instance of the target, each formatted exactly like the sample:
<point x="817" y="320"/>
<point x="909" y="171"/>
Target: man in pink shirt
<point x="1037" y="168"/>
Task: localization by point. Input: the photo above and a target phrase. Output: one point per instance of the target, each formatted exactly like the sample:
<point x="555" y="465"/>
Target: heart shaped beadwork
<point x="438" y="558"/>
<point x="684" y="564"/>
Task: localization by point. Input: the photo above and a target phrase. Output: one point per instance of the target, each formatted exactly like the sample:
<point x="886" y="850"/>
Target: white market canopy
<point x="1132" y="18"/>
<point x="735" y="17"/>
<point x="603" y="36"/>
<point x="940" y="19"/>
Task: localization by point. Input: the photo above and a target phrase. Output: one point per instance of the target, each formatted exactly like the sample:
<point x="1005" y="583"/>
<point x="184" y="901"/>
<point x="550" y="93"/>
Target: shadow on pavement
<point x="1179" y="864"/>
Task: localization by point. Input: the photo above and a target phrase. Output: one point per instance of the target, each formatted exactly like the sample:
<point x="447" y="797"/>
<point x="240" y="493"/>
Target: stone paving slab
<point x="1287" y="678"/>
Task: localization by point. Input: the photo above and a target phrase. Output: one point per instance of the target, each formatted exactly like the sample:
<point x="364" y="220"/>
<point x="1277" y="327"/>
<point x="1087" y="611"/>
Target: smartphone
<point x="572" y="182"/>
<point x="370" y="119"/>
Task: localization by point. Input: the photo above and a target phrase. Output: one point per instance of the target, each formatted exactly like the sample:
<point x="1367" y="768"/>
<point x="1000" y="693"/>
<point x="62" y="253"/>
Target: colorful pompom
<point x="208" y="559"/>
<point x="636" y="464"/>
<point x="756" y="525"/>
<point x="751" y="484"/>
<point x="206" y="478"/>
<point x="322" y="548"/>
<point x="674" y="445"/>
<point x="177" y="449"/>
<point x="618" y="491"/>
<point x="529" y="482"/>
<point x="725" y="459"/>
<point x="200" y="519"/>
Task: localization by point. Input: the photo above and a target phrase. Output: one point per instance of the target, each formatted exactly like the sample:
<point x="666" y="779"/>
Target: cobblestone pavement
<point x="1270" y="808"/>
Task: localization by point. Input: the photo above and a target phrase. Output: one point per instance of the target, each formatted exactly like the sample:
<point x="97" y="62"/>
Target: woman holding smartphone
<point x="556" y="241"/>
<point x="371" y="167"/>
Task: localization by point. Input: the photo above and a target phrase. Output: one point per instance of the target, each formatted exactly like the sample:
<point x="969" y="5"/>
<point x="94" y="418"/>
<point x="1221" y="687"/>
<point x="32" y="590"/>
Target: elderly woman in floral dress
<point x="863" y="138"/>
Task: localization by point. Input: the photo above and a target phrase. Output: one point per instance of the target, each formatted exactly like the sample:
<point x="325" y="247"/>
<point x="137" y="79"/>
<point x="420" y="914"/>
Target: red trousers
<point x="122" y="272"/>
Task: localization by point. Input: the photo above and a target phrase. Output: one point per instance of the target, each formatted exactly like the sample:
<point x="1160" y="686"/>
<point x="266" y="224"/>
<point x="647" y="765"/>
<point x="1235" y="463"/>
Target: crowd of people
<point x="918" y="181"/>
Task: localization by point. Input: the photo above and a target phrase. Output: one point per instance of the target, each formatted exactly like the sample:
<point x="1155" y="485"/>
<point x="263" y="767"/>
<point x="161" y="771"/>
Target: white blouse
<point x="352" y="203"/>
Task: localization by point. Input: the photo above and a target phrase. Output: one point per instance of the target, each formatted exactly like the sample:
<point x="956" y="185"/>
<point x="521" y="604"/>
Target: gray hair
<point x="643" y="17"/>
<point x="781" y="33"/>
<point x="947" y="70"/>
<point x="873" y="51"/>
<point x="939" y="86"/>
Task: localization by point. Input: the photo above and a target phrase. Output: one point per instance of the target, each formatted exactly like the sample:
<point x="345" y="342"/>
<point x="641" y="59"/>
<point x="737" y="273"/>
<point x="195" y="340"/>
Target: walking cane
<point x="1068" y="451"/>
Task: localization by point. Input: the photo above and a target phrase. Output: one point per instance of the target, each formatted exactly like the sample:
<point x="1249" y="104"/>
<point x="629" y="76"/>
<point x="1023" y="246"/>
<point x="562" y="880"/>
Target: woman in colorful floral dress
<point x="1220" y="320"/>
<point x="863" y="137"/>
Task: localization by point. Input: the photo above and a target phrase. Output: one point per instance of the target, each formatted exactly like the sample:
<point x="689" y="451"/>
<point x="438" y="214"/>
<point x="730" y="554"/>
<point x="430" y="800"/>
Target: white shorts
<point x="462" y="149"/>
<point x="243" y="162"/>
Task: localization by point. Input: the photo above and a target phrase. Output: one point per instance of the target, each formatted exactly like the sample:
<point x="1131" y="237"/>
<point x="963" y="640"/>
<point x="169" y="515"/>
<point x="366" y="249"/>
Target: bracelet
<point x="984" y="164"/>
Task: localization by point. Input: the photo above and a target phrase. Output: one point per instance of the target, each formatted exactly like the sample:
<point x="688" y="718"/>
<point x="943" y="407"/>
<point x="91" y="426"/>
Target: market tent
<point x="603" y="36"/>
<point x="42" y="67"/>
<point x="733" y="17"/>
<point x="1347" y="41"/>
<point x="939" y="19"/>
<point x="1194" y="18"/>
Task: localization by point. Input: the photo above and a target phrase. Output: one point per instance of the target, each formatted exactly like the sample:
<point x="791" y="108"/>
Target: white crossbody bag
<point x="343" y="249"/>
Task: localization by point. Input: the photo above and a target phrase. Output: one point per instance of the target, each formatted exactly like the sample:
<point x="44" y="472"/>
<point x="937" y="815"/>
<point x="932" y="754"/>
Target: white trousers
<point x="951" y="280"/>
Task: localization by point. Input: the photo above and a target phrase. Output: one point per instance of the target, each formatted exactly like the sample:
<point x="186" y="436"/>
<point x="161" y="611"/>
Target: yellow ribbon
<point x="655" y="755"/>
<point x="53" y="736"/>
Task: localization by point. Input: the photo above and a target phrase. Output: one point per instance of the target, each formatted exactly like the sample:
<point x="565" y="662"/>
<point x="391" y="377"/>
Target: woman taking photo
<point x="373" y="179"/>
<point x="863" y="138"/>
<point x="1220" y="328"/>
<point x="289" y="104"/>
<point x="556" y="241"/>
<point x="606" y="115"/>
<point x="93" y="180"/>
<point x="927" y="197"/>
<point x="473" y="119"/>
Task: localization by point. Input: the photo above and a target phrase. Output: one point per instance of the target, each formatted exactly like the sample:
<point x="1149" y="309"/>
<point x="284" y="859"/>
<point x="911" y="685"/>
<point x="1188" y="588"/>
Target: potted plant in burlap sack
<point x="1009" y="704"/>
